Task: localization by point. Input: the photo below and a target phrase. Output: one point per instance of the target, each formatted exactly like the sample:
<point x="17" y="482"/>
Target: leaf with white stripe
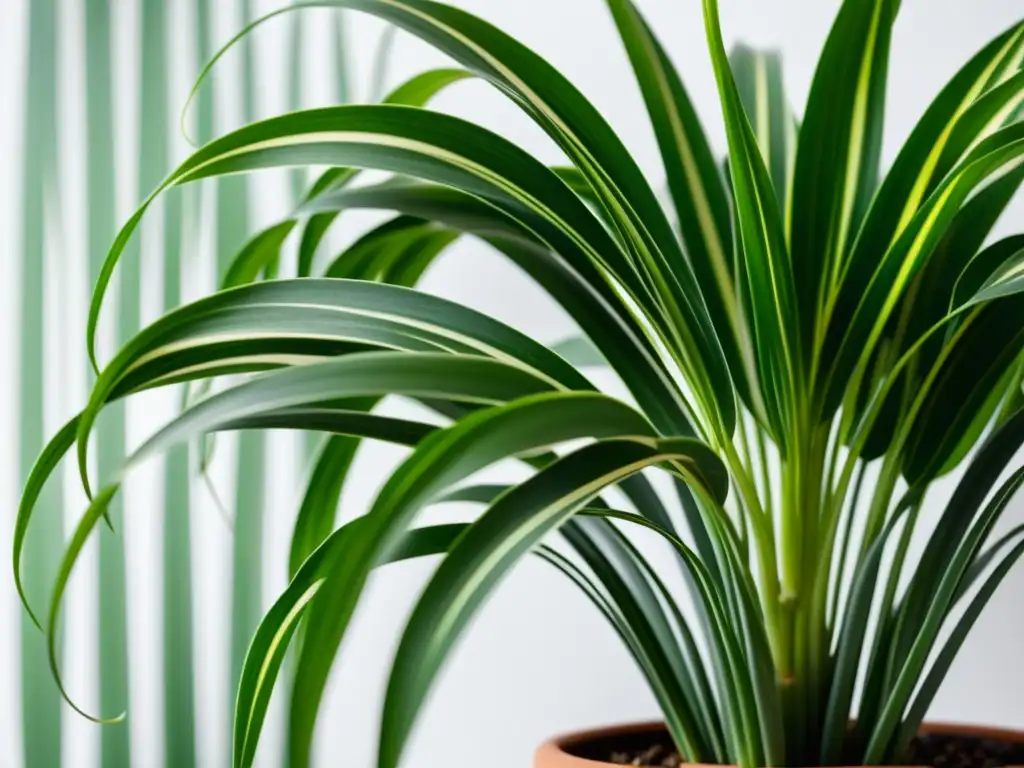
<point x="837" y="161"/>
<point x="943" y="589"/>
<point x="909" y="186"/>
<point x="981" y="475"/>
<point x="564" y="272"/>
<point x="954" y="272"/>
<point x="765" y="257"/>
<point x="652" y="267"/>
<point x="696" y="184"/>
<point x="287" y="321"/>
<point x="286" y="395"/>
<point x="913" y="175"/>
<point x="965" y="391"/>
<point x="759" y="80"/>
<point x="271" y="640"/>
<point x="399" y="139"/>
<point x="440" y="462"/>
<point x="415" y="92"/>
<point x="513" y="526"/>
<point x="1006" y="280"/>
<point x="961" y="629"/>
<point x="848" y="346"/>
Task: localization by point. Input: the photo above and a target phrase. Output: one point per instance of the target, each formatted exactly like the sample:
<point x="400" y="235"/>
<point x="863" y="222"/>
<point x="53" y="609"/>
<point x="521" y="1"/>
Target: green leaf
<point x="397" y="252"/>
<point x="948" y="280"/>
<point x="693" y="662"/>
<point x="1000" y="398"/>
<point x="97" y="510"/>
<point x="46" y="464"/>
<point x="951" y="530"/>
<point x="759" y="80"/>
<point x="415" y="92"/>
<point x="512" y="527"/>
<point x="987" y="345"/>
<point x="678" y="681"/>
<point x="984" y="560"/>
<point x="339" y="379"/>
<point x="419" y="90"/>
<point x="471" y="379"/>
<point x="906" y="201"/>
<point x="340" y="417"/>
<point x="363" y="260"/>
<point x="447" y="149"/>
<point x="315" y="519"/>
<point x="1006" y="279"/>
<point x="944" y="659"/>
<point x="617" y="568"/>
<point x="257" y="255"/>
<point x="855" y="342"/>
<point x="653" y="266"/>
<point x="638" y="618"/>
<point x="697" y="188"/>
<point x="978" y="480"/>
<point x="316" y="227"/>
<point x="468" y="379"/>
<point x="270" y="642"/>
<point x="372" y="257"/>
<point x="852" y="641"/>
<point x="765" y="256"/>
<point x="944" y="586"/>
<point x="954" y="272"/>
<point x="742" y="689"/>
<point x="913" y="175"/>
<point x="264" y="324"/>
<point x="566" y="275"/>
<point x="837" y="160"/>
<point x="438" y="463"/>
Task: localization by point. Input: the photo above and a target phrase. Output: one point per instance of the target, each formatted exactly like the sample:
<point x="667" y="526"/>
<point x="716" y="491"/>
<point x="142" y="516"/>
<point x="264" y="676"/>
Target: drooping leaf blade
<point x="515" y="523"/>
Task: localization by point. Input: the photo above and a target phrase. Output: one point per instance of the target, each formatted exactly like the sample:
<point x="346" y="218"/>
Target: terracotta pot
<point x="560" y="752"/>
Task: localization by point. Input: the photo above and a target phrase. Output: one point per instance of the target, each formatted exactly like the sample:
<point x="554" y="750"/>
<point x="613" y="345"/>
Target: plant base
<point x="941" y="745"/>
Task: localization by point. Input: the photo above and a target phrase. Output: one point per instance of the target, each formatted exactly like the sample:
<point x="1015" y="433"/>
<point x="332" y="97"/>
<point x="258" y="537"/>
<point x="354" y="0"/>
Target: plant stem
<point x="768" y="565"/>
<point x="803" y="670"/>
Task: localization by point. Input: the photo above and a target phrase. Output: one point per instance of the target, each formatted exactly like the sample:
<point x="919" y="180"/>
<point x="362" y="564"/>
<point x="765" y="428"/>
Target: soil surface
<point x="947" y="751"/>
<point x="655" y="750"/>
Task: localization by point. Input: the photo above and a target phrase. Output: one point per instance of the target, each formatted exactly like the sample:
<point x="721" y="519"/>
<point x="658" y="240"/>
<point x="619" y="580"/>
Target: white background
<point x="538" y="660"/>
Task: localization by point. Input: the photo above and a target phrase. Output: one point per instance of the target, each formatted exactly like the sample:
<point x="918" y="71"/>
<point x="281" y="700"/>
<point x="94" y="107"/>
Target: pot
<point x="584" y="749"/>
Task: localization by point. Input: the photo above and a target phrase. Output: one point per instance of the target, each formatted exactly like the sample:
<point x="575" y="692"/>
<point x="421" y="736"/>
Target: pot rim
<point x="554" y="754"/>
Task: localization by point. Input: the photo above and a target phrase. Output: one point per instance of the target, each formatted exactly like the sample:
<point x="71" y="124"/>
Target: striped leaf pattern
<point x="794" y="313"/>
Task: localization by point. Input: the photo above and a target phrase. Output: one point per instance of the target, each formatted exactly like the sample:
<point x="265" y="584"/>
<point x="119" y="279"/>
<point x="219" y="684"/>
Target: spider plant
<point x="808" y="342"/>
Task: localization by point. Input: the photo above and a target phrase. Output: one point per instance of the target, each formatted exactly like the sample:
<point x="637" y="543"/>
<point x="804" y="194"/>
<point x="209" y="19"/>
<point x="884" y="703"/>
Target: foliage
<point x="786" y="329"/>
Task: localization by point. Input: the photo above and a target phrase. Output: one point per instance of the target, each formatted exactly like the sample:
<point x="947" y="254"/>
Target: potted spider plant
<point x="808" y="342"/>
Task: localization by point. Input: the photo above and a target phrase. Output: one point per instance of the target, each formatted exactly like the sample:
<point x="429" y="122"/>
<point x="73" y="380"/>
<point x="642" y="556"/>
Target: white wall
<point x="538" y="660"/>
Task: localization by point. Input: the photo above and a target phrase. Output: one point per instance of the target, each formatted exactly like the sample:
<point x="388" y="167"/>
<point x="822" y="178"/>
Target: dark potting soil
<point x="650" y="748"/>
<point x="655" y="750"/>
<point x="950" y="751"/>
